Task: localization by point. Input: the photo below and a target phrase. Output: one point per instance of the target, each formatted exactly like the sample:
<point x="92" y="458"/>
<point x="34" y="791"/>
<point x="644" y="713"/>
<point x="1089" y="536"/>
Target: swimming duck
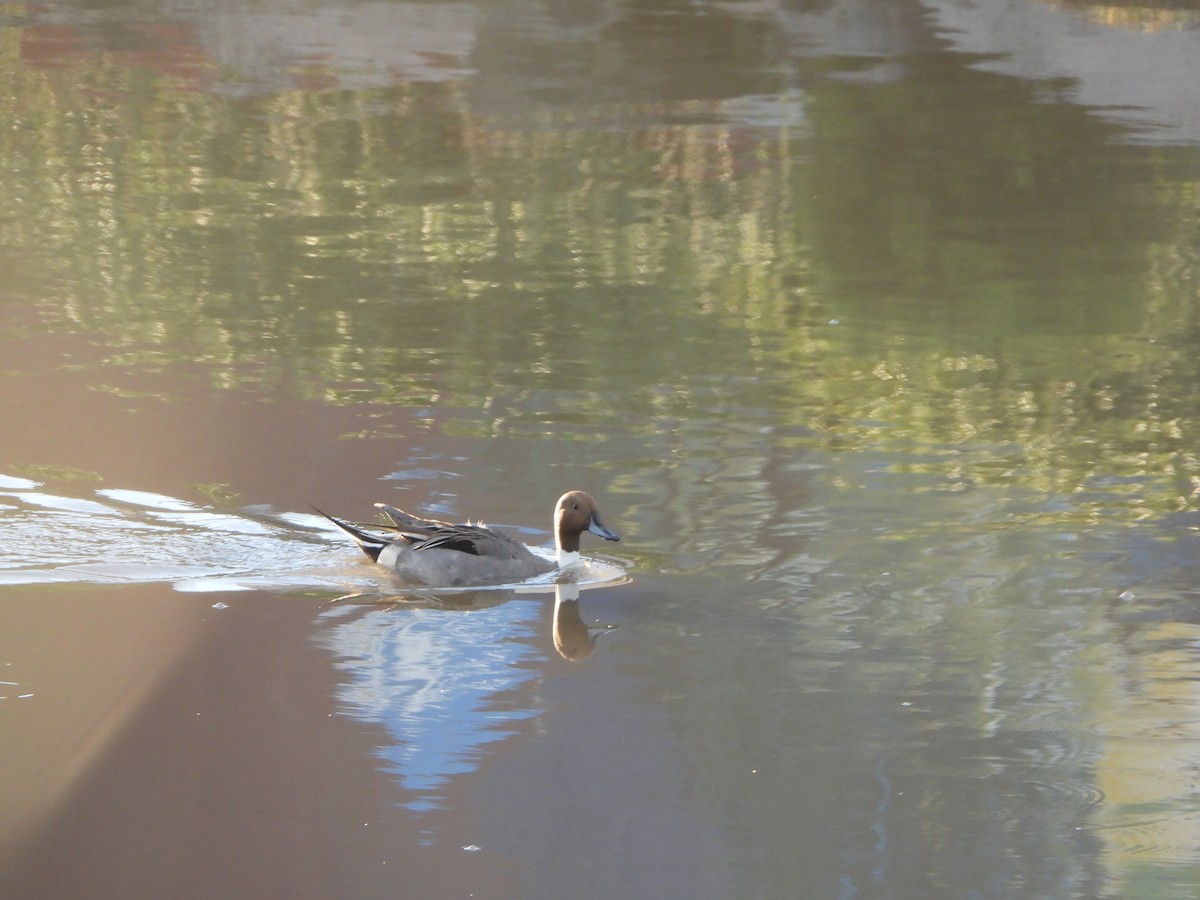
<point x="439" y="554"/>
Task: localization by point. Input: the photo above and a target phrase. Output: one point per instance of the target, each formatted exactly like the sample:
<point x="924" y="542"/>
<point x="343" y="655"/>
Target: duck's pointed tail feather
<point x="371" y="544"/>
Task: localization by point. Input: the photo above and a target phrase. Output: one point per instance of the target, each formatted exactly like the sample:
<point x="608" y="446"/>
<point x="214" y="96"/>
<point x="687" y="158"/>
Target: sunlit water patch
<point x="126" y="536"/>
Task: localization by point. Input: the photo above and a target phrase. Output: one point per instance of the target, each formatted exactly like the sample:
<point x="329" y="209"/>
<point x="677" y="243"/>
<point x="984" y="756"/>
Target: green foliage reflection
<point x="932" y="262"/>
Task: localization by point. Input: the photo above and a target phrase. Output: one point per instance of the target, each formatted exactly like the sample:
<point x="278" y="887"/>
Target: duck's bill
<point x="597" y="528"/>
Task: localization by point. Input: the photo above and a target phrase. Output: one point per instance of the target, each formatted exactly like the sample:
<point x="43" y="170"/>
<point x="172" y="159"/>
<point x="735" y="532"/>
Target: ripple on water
<point x="12" y="483"/>
<point x="1054" y="770"/>
<point x="60" y="539"/>
<point x="64" y="504"/>
<point x="148" y="499"/>
<point x="1159" y="833"/>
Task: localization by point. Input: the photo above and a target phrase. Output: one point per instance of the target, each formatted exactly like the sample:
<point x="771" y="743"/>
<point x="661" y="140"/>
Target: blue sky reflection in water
<point x="872" y="325"/>
<point x="435" y="681"/>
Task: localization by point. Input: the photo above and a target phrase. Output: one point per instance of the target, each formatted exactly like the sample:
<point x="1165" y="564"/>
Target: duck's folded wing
<point x="473" y="539"/>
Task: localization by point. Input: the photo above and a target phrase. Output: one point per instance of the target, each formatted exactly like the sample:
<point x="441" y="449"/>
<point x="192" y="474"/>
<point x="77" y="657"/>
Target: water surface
<point x="871" y="326"/>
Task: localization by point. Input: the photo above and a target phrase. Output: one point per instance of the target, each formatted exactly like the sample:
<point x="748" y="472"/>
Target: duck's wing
<point x="432" y="534"/>
<point x="428" y="534"/>
<point x="477" y="540"/>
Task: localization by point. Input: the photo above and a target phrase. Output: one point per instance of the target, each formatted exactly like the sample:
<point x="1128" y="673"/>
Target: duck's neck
<point x="566" y="547"/>
<point x="565" y="592"/>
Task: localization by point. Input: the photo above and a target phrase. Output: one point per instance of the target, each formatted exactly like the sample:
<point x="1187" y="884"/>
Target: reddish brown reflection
<point x="169" y="747"/>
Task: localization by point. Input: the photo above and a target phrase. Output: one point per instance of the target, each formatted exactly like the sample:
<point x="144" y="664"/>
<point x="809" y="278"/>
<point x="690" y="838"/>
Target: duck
<point x="440" y="554"/>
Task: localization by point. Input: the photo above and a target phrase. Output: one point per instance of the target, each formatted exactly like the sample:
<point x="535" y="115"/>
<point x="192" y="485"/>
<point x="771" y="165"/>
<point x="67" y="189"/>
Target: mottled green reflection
<point x="928" y="262"/>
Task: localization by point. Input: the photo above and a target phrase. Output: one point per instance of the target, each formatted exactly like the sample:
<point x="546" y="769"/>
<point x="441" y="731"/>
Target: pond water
<point x="874" y="329"/>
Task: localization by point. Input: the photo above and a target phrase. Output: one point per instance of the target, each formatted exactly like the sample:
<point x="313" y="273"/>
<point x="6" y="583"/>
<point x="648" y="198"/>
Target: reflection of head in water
<point x="572" y="638"/>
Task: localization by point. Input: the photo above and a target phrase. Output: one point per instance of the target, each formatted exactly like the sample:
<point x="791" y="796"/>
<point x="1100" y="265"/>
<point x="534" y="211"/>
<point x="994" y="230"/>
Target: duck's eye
<point x="574" y="506"/>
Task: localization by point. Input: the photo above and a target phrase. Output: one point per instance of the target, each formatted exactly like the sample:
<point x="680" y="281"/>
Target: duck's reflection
<point x="446" y="674"/>
<point x="573" y="638"/>
<point x="458" y="601"/>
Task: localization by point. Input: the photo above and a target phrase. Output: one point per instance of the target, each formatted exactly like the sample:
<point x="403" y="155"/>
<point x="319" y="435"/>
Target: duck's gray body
<point x="439" y="554"/>
<point x="461" y="555"/>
